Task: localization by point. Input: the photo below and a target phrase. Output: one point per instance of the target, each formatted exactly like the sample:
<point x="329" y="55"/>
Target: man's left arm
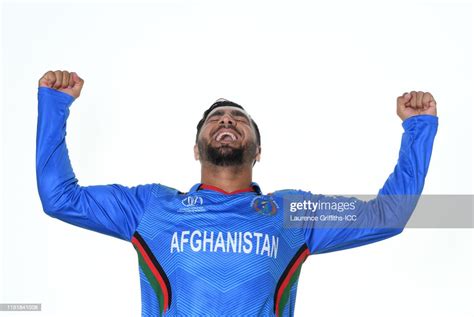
<point x="387" y="214"/>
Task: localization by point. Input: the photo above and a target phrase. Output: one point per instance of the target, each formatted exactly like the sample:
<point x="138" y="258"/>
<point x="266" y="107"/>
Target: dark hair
<point x="224" y="103"/>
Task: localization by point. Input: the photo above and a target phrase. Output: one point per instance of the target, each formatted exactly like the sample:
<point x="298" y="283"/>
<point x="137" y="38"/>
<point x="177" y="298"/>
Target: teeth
<point x="222" y="134"/>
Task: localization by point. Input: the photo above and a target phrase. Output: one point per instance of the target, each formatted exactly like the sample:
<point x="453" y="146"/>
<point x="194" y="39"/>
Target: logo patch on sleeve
<point x="265" y="205"/>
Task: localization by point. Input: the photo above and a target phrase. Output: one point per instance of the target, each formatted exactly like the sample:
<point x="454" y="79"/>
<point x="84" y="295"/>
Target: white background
<point x="321" y="80"/>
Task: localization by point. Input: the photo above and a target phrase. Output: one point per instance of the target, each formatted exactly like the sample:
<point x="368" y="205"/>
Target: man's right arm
<point x="110" y="209"/>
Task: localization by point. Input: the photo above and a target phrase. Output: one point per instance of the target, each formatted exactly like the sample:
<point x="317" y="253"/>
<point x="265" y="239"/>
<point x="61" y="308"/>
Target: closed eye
<point x="237" y="115"/>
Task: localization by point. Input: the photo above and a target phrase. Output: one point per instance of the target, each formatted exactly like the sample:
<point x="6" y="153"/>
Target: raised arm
<point x="110" y="209"/>
<point x="387" y="214"/>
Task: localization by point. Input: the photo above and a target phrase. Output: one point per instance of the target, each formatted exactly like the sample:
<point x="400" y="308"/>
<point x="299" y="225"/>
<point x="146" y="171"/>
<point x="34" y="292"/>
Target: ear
<point x="259" y="151"/>
<point x="196" y="152"/>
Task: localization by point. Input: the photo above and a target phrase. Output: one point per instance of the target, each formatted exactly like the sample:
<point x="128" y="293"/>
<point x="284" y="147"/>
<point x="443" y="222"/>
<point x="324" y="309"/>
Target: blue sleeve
<point x="112" y="209"/>
<point x="387" y="214"/>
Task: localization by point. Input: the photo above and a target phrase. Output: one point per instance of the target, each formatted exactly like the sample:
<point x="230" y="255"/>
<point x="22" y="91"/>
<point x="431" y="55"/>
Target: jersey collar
<point x="254" y="187"/>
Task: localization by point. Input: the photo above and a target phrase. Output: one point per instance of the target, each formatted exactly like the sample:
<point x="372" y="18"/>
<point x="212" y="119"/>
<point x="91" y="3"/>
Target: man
<point x="224" y="248"/>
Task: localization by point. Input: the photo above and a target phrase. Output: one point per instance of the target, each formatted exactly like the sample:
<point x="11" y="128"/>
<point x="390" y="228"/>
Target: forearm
<point x="408" y="177"/>
<point x="54" y="173"/>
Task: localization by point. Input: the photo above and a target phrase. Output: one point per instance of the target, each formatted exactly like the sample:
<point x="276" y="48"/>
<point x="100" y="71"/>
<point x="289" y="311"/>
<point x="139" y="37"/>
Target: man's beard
<point x="226" y="155"/>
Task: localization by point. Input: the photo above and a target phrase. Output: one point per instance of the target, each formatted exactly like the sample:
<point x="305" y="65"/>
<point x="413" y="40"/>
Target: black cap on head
<point x="221" y="102"/>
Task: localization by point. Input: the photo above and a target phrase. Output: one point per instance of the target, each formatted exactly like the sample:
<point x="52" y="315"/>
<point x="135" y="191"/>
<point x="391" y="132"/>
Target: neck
<point x="227" y="178"/>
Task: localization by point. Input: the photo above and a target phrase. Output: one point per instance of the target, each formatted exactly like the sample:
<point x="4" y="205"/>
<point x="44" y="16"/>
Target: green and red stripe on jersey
<point x="153" y="271"/>
<point x="288" y="278"/>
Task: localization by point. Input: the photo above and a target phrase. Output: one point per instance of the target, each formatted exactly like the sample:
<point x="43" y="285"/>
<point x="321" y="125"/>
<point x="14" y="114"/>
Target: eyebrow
<point x="235" y="113"/>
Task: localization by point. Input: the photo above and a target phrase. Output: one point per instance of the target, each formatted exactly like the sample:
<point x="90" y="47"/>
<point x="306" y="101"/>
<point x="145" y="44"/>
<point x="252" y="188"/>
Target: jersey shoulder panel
<point x="160" y="190"/>
<point x="283" y="192"/>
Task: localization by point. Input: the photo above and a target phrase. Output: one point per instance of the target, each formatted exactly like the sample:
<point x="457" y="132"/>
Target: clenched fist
<point x="64" y="81"/>
<point x="414" y="103"/>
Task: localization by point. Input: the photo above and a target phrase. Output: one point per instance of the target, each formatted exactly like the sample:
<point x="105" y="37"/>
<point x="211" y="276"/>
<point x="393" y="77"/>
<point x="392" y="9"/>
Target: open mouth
<point x="227" y="136"/>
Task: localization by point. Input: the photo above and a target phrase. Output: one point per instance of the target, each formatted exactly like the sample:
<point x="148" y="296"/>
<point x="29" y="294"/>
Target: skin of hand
<point x="415" y="103"/>
<point x="64" y="81"/>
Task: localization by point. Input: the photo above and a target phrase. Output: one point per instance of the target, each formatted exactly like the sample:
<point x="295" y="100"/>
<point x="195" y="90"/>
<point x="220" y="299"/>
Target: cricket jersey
<point x="207" y="252"/>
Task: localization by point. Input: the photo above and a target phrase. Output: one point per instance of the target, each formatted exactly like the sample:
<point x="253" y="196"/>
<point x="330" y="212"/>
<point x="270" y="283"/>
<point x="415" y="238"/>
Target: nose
<point x="226" y="120"/>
